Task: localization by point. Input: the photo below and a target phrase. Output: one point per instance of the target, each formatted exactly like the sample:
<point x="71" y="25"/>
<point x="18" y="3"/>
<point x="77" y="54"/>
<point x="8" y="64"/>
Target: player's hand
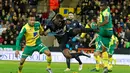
<point x="45" y="33"/>
<point x="16" y="53"/>
<point x="90" y="44"/>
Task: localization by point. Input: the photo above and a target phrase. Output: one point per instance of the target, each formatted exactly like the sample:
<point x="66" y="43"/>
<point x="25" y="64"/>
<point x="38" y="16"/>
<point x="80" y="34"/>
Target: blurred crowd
<point x="14" y="14"/>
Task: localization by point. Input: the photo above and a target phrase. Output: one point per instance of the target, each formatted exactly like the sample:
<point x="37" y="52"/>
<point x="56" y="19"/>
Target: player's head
<point x="103" y="5"/>
<point x="58" y="20"/>
<point x="71" y="15"/>
<point x="31" y="20"/>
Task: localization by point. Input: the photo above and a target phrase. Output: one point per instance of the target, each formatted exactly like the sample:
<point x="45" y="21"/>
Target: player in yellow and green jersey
<point x="32" y="31"/>
<point x="106" y="32"/>
<point x="98" y="50"/>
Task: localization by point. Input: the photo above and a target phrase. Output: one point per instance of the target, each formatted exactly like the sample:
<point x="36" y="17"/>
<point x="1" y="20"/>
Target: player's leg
<point x="41" y="48"/>
<point x="68" y="65"/>
<point x="105" y="60"/>
<point x="77" y="58"/>
<point x="28" y="51"/>
<point x="106" y="35"/>
<point x="110" y="53"/>
<point x="80" y="63"/>
<point x="22" y="60"/>
<point x="97" y="56"/>
<point x="98" y="60"/>
<point x="68" y="60"/>
<point x="75" y="50"/>
<point x="77" y="54"/>
<point x="62" y="46"/>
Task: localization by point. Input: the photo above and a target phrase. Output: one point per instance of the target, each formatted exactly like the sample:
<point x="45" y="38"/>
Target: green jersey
<point x="31" y="33"/>
<point x="104" y="13"/>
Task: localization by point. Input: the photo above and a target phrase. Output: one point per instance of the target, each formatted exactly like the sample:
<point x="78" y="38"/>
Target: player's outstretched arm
<point x="42" y="32"/>
<point x="95" y="36"/>
<point x="21" y="34"/>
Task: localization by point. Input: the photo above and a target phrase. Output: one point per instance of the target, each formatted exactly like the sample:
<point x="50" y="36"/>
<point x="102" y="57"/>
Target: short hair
<point x="59" y="16"/>
<point x="70" y="13"/>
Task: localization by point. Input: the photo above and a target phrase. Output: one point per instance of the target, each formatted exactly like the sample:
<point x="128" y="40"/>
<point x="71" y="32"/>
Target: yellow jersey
<point x="31" y="33"/>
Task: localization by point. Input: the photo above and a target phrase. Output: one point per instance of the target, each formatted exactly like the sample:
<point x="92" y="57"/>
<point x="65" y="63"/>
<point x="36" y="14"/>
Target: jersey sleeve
<point x="21" y="34"/>
<point x="41" y="29"/>
<point x="47" y="26"/>
<point x="116" y="39"/>
<point x="106" y="13"/>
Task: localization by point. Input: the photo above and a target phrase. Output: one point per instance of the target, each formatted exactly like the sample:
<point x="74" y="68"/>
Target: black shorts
<point x="63" y="40"/>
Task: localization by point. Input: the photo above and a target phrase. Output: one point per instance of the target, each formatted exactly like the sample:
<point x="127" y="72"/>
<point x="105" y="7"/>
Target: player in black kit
<point x="56" y="27"/>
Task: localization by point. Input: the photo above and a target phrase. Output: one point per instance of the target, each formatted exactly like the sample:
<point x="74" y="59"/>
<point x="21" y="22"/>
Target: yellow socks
<point x="98" y="59"/>
<point x="105" y="59"/>
<point x="110" y="63"/>
<point x="20" y="69"/>
<point x="49" y="61"/>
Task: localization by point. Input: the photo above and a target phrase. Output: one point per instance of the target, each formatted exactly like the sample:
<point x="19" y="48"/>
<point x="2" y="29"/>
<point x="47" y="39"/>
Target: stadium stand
<point x="14" y="14"/>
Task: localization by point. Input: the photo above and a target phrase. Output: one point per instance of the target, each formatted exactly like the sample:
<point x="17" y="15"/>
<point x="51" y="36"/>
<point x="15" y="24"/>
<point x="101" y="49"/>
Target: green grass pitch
<point x="39" y="67"/>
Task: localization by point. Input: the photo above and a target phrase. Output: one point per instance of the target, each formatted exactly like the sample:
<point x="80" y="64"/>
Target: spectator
<point x="2" y="29"/>
<point x="3" y="15"/>
<point x="1" y="24"/>
<point x="8" y="17"/>
<point x="121" y="22"/>
<point x="119" y="29"/>
<point x="86" y="41"/>
<point x="28" y="12"/>
<point x="128" y="24"/>
<point x="5" y="43"/>
<point x="17" y="32"/>
<point x="12" y="40"/>
<point x="128" y="8"/>
<point x="6" y="7"/>
<point x="127" y="34"/>
<point x="117" y="13"/>
<point x="114" y="17"/>
<point x="119" y="8"/>
<point x="11" y="11"/>
<point x="122" y="34"/>
<point x="45" y="16"/>
<point x="15" y="19"/>
<point x="125" y="18"/>
<point x="22" y="7"/>
<point x="40" y="15"/>
<point x="124" y="3"/>
<point x="6" y="40"/>
<point x="33" y="3"/>
<point x="1" y="40"/>
<point x="18" y="11"/>
<point x="125" y="11"/>
<point x="113" y="9"/>
<point x="7" y="24"/>
<point x="0" y="7"/>
<point x="34" y="11"/>
<point x="111" y="4"/>
<point x="125" y="27"/>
